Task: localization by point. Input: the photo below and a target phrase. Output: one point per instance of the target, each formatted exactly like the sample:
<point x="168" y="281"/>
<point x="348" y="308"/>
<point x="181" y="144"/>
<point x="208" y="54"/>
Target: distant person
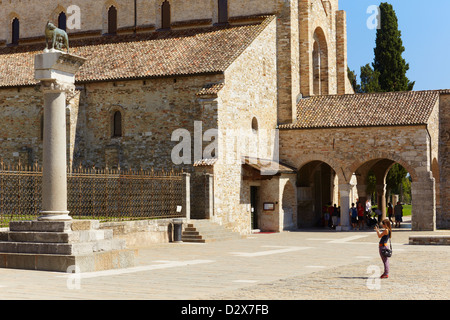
<point x="390" y="212"/>
<point x="384" y="236"/>
<point x="368" y="207"/>
<point x="330" y="215"/>
<point x="398" y="214"/>
<point x="360" y="216"/>
<point x="353" y="212"/>
<point x="334" y="216"/>
<point x="378" y="214"/>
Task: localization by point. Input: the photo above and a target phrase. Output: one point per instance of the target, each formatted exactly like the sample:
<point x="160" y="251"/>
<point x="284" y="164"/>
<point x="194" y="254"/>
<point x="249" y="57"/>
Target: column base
<point x="54" y="216"/>
<point x="343" y="228"/>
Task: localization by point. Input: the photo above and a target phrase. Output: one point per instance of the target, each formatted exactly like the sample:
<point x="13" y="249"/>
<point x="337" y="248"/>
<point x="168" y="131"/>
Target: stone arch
<point x="55" y="13"/>
<point x="374" y="155"/>
<point x="318" y="185"/>
<point x="422" y="187"/>
<point x="11" y="17"/>
<point x="160" y="6"/>
<point x="112" y="113"/>
<point x="320" y="62"/>
<point x="289" y="206"/>
<point x="108" y="4"/>
<point x="306" y="158"/>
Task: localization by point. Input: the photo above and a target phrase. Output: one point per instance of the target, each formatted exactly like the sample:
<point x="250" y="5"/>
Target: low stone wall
<point x="141" y="233"/>
<point x="430" y="240"/>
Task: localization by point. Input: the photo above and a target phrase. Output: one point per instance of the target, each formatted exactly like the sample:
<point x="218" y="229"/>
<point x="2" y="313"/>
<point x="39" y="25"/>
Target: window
<point x="165" y="15"/>
<point x="62" y="21"/>
<point x="112" y="20"/>
<point x="254" y="125"/>
<point x="117" y="124"/>
<point x="223" y="11"/>
<point x="15" y="31"/>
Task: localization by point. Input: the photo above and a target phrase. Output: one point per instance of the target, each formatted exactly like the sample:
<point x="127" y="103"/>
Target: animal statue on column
<point x="59" y="37"/>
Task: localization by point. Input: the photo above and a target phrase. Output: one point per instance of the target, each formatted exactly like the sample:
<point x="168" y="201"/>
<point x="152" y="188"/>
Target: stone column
<point x="56" y="72"/>
<point x="186" y="206"/>
<point x="344" y="190"/>
<point x="381" y="199"/>
<point x="423" y="203"/>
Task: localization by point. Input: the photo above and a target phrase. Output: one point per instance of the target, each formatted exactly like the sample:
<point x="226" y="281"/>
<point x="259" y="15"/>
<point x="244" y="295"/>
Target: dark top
<point x="384" y="239"/>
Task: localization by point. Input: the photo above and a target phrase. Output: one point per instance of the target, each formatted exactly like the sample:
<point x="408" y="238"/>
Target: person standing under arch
<point x="398" y="214"/>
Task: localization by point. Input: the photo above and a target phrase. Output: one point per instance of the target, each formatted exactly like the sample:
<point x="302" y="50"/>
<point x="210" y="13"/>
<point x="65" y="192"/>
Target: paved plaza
<point x="304" y="265"/>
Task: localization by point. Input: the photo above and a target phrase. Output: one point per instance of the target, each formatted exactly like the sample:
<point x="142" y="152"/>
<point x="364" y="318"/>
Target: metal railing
<point x="101" y="194"/>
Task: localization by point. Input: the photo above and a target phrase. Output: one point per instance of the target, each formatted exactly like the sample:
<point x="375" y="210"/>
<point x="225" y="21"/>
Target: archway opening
<point x="384" y="189"/>
<point x="317" y="188"/>
<point x="288" y="207"/>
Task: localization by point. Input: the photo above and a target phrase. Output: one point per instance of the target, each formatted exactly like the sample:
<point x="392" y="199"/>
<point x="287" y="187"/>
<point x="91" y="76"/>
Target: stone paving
<point x="312" y="264"/>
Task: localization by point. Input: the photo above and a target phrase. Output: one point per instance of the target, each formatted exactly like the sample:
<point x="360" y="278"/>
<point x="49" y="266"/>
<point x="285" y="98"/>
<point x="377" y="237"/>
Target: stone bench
<point x="430" y="240"/>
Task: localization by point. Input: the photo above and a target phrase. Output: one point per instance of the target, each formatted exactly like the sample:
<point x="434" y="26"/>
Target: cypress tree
<point x="388" y="62"/>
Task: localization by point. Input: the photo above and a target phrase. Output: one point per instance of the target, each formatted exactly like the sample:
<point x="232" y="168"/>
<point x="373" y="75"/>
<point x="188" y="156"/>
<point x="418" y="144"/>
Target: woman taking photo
<point x="384" y="236"/>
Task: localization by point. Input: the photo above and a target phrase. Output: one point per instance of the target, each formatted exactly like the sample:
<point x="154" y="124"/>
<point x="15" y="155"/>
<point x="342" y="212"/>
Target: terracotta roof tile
<point x="155" y="54"/>
<point x="360" y="110"/>
<point x="211" y="89"/>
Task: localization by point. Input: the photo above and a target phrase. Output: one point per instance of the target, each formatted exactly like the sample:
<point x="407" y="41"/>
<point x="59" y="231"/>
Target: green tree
<point x="353" y="80"/>
<point x="389" y="48"/>
<point x="369" y="79"/>
<point x="388" y="70"/>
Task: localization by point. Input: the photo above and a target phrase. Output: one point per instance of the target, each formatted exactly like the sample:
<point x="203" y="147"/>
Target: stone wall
<point x="249" y="92"/>
<point x="443" y="163"/>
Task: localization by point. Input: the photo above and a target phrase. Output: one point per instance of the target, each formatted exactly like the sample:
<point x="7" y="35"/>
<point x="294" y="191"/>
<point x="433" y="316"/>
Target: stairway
<point x="202" y="231"/>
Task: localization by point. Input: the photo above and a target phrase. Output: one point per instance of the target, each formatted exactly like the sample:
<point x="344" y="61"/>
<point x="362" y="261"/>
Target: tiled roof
<point x="361" y="110"/>
<point x="155" y="54"/>
<point x="265" y="165"/>
<point x="211" y="89"/>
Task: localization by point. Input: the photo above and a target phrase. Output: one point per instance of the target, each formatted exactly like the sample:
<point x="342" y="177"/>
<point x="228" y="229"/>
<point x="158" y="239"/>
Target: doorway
<point x="254" y="207"/>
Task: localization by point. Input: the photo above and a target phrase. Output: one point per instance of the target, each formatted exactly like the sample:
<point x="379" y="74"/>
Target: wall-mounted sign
<point x="269" y="206"/>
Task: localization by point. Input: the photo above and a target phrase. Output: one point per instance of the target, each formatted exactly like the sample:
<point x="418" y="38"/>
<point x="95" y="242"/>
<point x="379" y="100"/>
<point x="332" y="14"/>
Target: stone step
<point x="59" y="237"/>
<point x="97" y="261"/>
<point x="54" y="226"/>
<point x="202" y="231"/>
<point x="80" y="248"/>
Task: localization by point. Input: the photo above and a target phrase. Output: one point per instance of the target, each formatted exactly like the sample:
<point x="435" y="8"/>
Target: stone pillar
<point x="423" y="204"/>
<point x="186" y="206"/>
<point x="381" y="199"/>
<point x="362" y="193"/>
<point x="344" y="191"/>
<point x="56" y="72"/>
<point x="209" y="203"/>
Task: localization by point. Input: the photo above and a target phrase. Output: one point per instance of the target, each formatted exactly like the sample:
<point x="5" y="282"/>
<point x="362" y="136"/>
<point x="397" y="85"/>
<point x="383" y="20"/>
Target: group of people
<point x="397" y="212"/>
<point x="331" y="216"/>
<point x="362" y="216"/>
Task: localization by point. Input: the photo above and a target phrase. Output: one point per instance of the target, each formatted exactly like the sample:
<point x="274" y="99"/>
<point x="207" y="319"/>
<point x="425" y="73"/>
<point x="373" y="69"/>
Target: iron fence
<point x="92" y="193"/>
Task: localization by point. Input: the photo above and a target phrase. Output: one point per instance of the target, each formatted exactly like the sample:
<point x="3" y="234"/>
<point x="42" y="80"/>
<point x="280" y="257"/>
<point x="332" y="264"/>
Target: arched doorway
<point x="288" y="207"/>
<point x="317" y="185"/>
<point x="383" y="183"/>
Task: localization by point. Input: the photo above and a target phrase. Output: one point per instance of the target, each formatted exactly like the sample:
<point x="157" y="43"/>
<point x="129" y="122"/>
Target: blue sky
<point x="425" y="27"/>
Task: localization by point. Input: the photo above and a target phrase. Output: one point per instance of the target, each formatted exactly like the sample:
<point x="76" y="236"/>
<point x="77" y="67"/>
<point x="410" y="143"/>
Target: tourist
<point x="330" y="214"/>
<point x="360" y="216"/>
<point x="398" y="213"/>
<point x="368" y="207"/>
<point x="384" y="236"/>
<point x="378" y="213"/>
<point x="353" y="216"/>
<point x="390" y="212"/>
<point x="326" y="215"/>
<point x="334" y="216"/>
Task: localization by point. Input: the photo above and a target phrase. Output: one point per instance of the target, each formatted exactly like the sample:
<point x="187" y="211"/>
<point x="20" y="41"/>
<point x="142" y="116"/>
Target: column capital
<point x="55" y="86"/>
